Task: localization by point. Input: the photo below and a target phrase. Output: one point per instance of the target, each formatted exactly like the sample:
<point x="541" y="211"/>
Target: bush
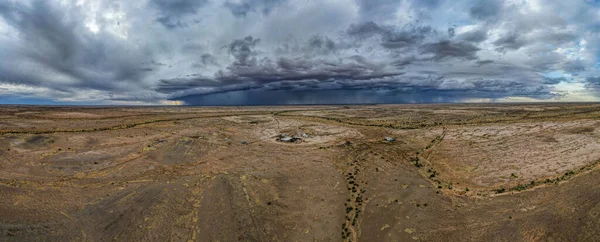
<point x="520" y="187"/>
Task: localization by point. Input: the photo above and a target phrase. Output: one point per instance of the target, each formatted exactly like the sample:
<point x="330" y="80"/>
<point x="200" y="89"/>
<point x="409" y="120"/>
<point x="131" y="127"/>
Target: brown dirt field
<point x="455" y="173"/>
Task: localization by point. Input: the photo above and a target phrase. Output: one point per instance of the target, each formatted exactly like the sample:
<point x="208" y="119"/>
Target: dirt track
<point x="454" y="173"/>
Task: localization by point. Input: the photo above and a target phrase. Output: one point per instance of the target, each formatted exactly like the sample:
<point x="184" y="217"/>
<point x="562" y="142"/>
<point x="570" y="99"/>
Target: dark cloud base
<point x="325" y="97"/>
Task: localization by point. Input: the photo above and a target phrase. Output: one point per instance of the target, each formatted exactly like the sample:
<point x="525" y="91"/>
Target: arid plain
<point x="464" y="172"/>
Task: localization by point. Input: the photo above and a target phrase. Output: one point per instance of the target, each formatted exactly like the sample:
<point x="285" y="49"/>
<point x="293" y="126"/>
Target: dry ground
<point x="454" y="173"/>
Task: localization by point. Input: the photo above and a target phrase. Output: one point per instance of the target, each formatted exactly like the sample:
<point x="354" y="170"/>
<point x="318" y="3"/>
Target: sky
<point x="278" y="52"/>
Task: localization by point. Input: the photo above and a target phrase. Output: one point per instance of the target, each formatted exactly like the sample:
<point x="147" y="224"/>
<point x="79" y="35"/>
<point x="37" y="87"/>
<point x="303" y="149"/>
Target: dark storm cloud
<point x="171" y="11"/>
<point x="353" y="96"/>
<point x="266" y="71"/>
<point x="257" y="72"/>
<point x="181" y="84"/>
<point x="395" y="92"/>
<point x="248" y="67"/>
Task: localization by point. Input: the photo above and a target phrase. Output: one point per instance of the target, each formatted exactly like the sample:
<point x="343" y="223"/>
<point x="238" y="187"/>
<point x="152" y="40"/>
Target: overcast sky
<point x="235" y="52"/>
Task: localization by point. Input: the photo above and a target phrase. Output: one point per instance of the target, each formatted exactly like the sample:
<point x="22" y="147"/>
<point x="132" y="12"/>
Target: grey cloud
<point x="594" y="79"/>
<point x="511" y="41"/>
<point x="593" y="83"/>
<point x="546" y="61"/>
<point x="242" y="8"/>
<point x="208" y="59"/>
<point x="171" y="11"/>
<point x="484" y="62"/>
<point x="485" y="9"/>
<point x="403" y="62"/>
<point x="476" y="36"/>
<point x="321" y="43"/>
<point x="451" y="32"/>
<point x="391" y="37"/>
<point x="157" y="63"/>
<point x="558" y="38"/>
<point x="242" y="49"/>
<point x="552" y="81"/>
<point x="59" y="48"/>
<point x="404" y="38"/>
<point x="448" y="49"/>
<point x="192" y="48"/>
<point x="429" y="4"/>
<point x="365" y="30"/>
<point x="171" y="22"/>
<point x="574" y="67"/>
<point x="314" y="45"/>
<point x="376" y="10"/>
<point x="177" y="7"/>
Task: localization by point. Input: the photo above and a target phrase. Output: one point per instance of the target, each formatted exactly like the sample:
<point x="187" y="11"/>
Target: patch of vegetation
<point x="355" y="201"/>
<point x="415" y="162"/>
<point x="519" y="187"/>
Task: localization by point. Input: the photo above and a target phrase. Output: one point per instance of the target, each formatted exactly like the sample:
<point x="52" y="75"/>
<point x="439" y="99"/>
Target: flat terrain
<point x="468" y="172"/>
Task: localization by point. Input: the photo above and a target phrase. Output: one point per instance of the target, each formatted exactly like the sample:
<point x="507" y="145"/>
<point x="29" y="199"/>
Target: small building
<point x="286" y="139"/>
